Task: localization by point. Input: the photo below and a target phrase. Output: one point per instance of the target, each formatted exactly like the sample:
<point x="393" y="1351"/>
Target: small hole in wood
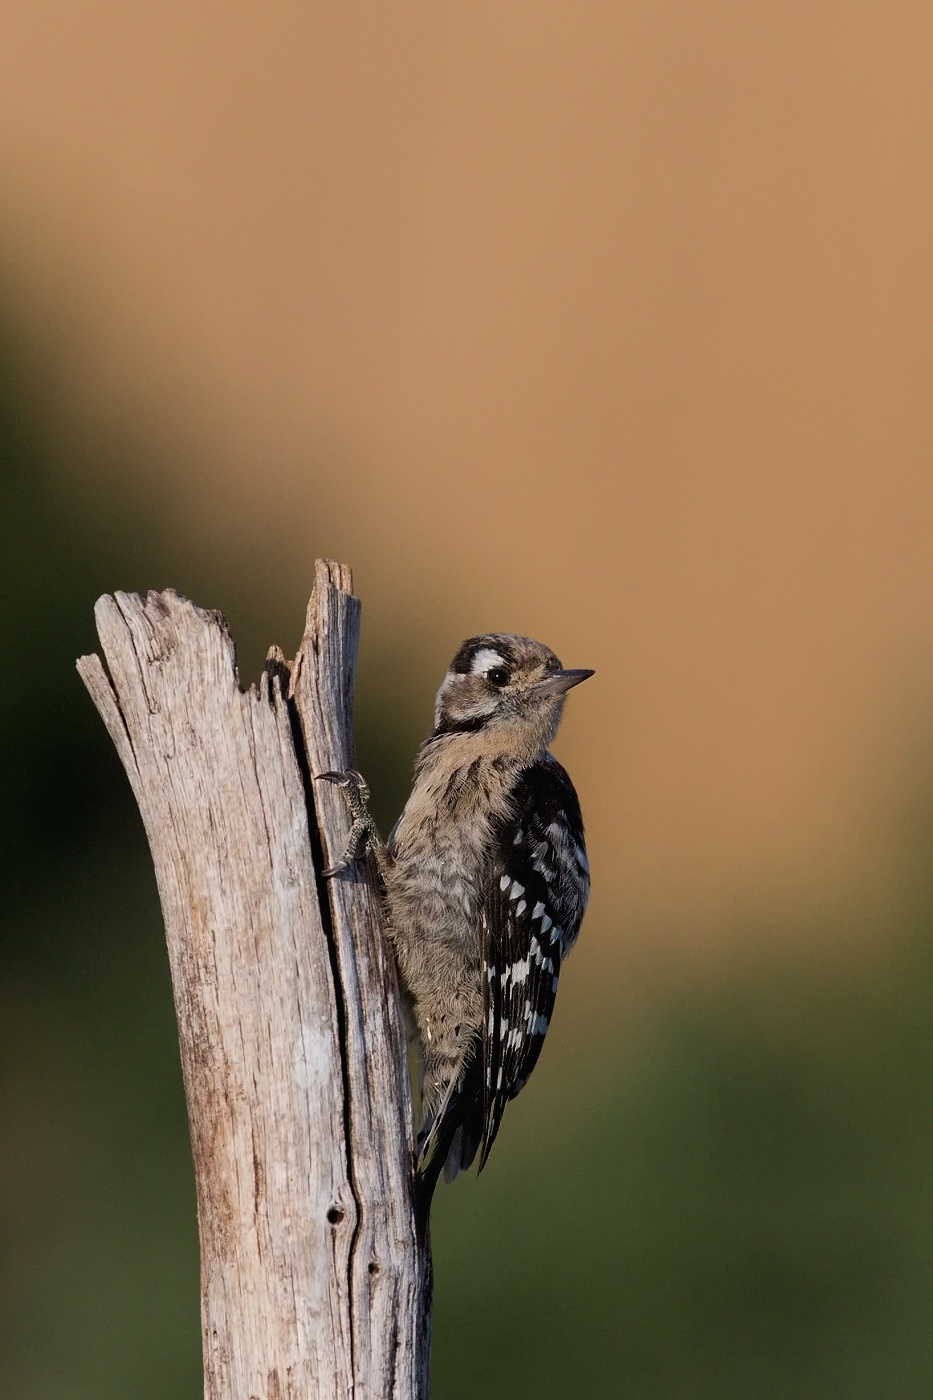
<point x="335" y="1215"/>
<point x="373" y="1267"/>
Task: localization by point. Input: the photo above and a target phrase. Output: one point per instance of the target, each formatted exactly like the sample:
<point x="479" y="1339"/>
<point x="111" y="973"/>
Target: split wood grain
<point x="315" y="1274"/>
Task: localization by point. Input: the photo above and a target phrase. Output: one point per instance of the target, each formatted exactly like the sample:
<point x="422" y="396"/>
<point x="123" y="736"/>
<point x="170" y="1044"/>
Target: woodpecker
<point x="485" y="881"/>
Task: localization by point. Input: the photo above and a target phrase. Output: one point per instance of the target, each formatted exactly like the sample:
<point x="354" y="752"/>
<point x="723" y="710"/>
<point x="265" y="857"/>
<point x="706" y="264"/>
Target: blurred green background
<point x="723" y="1188"/>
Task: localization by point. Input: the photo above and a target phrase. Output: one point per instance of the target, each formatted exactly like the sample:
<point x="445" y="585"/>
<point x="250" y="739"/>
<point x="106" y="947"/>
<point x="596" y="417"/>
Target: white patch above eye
<point x="484" y="659"/>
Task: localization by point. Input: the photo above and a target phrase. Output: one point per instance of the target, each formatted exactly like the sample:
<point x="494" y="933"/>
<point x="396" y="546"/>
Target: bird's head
<point x="505" y="685"/>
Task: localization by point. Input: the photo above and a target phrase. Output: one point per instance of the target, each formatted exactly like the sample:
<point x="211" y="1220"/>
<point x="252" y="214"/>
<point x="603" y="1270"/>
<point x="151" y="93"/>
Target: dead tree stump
<point x="315" y="1268"/>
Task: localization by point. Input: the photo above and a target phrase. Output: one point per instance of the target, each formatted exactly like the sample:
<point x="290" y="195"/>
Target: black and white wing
<point x="530" y="920"/>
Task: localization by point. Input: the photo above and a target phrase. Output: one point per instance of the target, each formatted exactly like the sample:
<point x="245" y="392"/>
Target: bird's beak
<point x="559" y="681"/>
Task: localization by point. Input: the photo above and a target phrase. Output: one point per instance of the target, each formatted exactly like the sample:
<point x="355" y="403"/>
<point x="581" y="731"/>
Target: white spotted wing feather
<point x="530" y="920"/>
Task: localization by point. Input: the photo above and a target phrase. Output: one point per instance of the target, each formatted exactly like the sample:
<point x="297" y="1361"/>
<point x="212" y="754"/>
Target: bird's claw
<point x="351" y="778"/>
<point x="363" y="832"/>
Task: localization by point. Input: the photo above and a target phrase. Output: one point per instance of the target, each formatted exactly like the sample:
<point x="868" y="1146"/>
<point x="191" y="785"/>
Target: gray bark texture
<point x="315" y="1265"/>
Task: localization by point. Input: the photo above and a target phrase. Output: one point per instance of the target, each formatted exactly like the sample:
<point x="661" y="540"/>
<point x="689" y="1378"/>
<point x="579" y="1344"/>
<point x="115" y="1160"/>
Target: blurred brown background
<point x="605" y="323"/>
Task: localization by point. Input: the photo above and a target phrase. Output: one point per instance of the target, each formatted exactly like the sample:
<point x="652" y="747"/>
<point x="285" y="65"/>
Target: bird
<point x="485" y="881"/>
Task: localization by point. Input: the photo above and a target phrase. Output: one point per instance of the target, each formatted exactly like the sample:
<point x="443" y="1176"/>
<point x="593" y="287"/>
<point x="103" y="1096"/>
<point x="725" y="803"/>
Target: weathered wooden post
<point x="315" y="1269"/>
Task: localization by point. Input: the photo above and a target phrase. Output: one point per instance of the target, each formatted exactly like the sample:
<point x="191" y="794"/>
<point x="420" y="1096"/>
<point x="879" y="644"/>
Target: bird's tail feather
<point x="450" y="1137"/>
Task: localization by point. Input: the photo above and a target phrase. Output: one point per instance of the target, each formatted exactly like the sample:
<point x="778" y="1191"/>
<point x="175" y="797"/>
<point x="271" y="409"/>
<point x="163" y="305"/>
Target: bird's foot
<point x="363" y="834"/>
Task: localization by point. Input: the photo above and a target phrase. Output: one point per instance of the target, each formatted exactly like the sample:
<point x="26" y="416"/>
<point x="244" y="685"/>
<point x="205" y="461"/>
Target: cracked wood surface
<point x="315" y="1279"/>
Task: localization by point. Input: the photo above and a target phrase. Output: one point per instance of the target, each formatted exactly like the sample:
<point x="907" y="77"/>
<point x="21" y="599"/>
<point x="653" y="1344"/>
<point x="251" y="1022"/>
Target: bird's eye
<point x="497" y="675"/>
